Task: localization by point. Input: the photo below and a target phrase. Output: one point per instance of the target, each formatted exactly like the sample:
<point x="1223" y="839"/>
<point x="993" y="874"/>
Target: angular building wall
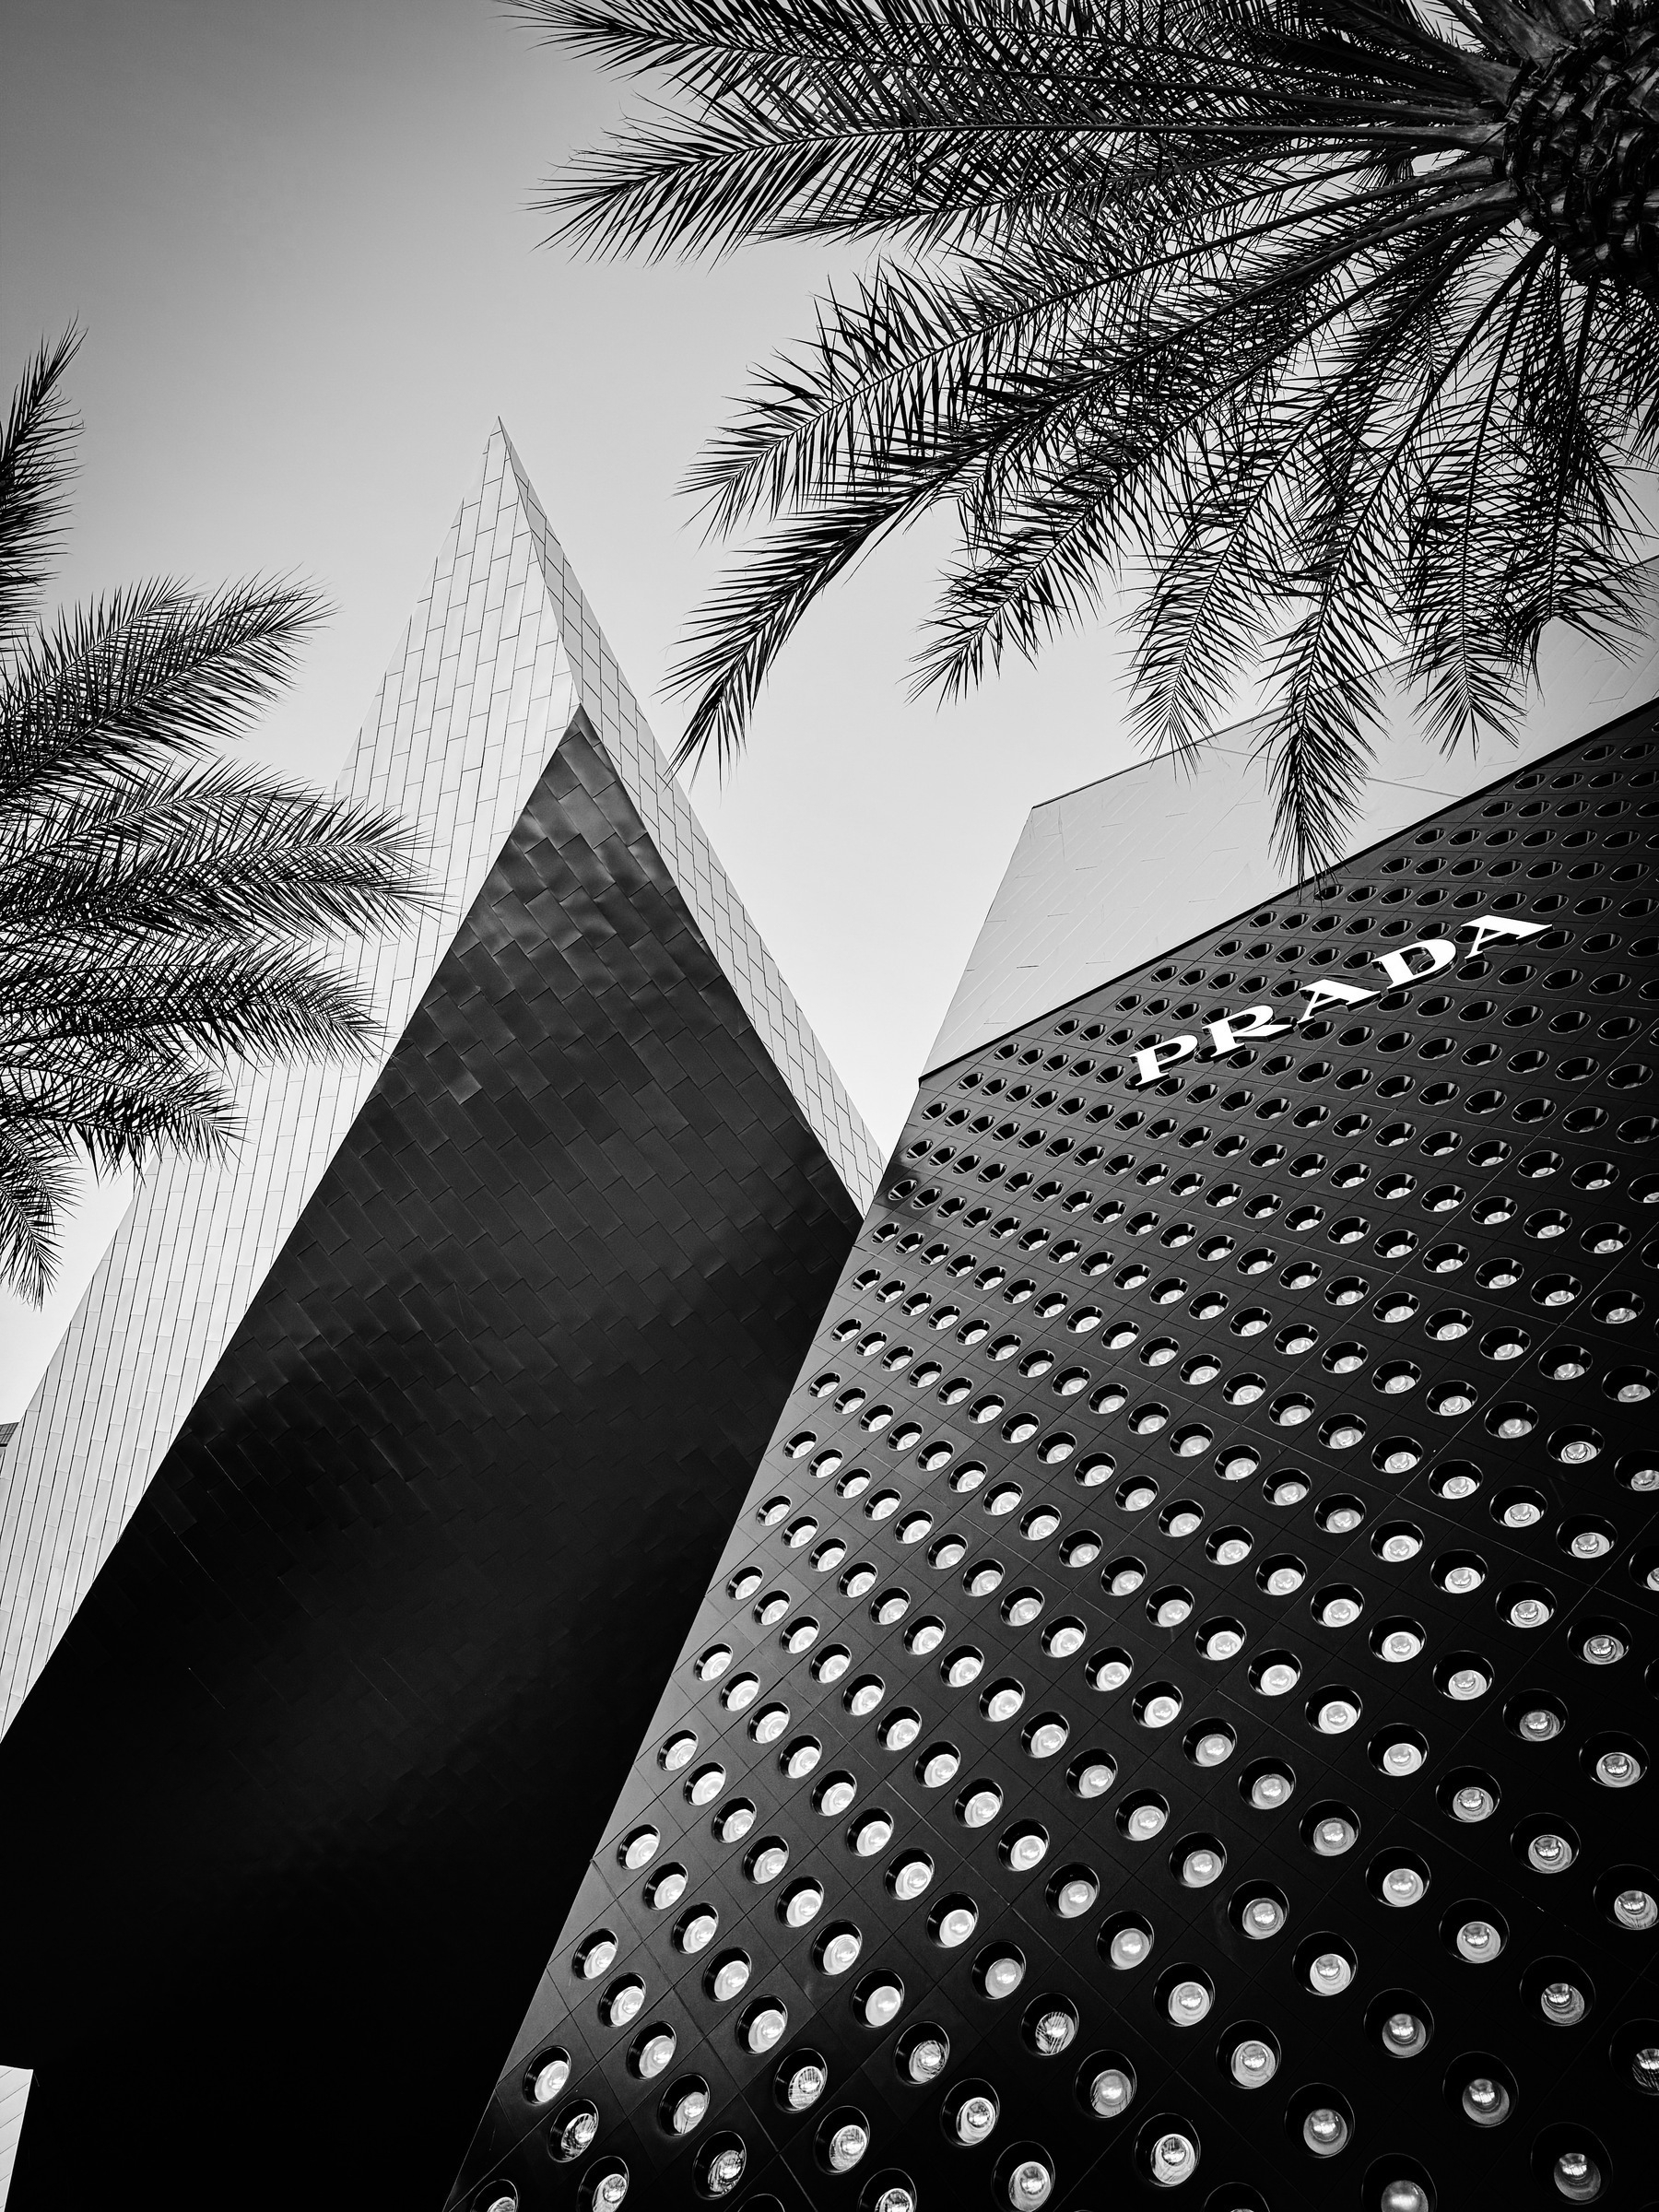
<point x="366" y="1456"/>
<point x="501" y="650"/>
<point x="1177" y="1707"/>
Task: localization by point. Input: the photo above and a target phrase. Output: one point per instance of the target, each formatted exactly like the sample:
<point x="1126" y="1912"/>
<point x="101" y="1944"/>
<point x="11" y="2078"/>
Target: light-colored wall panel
<point x="1106" y="877"/>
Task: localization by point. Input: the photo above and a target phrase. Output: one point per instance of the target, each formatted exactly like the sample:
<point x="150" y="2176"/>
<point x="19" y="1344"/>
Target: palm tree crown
<point x="164" y="916"/>
<point x="1329" y="326"/>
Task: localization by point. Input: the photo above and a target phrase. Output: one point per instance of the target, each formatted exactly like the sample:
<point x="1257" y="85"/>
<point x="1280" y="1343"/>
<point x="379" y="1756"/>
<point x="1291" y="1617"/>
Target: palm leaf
<point x="1277" y="313"/>
<point x="167" y="920"/>
<point x="35" y="444"/>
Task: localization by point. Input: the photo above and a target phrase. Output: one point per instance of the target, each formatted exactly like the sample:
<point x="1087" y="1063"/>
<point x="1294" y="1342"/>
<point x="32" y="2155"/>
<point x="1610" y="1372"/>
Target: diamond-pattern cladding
<point x="501" y="650"/>
<point x="468" y="1452"/>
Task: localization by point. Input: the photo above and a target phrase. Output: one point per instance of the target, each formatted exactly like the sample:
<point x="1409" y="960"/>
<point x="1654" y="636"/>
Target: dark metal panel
<point x="295" y="1810"/>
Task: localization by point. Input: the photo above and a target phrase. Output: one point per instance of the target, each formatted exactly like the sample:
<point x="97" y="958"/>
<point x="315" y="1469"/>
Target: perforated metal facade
<point x="1177" y="1709"/>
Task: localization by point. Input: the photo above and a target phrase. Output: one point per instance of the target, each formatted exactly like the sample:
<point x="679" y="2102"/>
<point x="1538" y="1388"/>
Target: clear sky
<point x="298" y="236"/>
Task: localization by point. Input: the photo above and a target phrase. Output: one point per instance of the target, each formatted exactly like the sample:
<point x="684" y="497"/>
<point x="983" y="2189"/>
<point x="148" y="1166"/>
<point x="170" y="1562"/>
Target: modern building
<point x="1176" y="1709"/>
<point x="372" y="1452"/>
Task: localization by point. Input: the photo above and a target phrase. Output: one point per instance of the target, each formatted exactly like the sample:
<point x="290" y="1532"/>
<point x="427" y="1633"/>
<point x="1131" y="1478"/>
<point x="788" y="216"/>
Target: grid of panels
<point x="301" y="1767"/>
<point x="1189" y="1650"/>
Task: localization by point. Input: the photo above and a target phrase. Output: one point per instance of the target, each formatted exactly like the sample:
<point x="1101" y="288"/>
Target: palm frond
<point x="166" y="918"/>
<point x="204" y="855"/>
<point x="147" y="672"/>
<point x="35" y="446"/>
<point x="1285" y="314"/>
<point x="37" y="1180"/>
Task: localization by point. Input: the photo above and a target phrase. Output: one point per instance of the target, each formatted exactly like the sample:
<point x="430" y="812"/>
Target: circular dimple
<point x="547" y="2075"/>
<point x="1329" y="1973"/>
<point x="1200" y="1865"/>
<point x="1478" y="1940"/>
<point x="910" y="1875"/>
<point x="1252" y="2064"/>
<point x="1603" y="1647"/>
<point x="1158" y="1706"/>
<point x="1459" y="1574"/>
<point x="924" y="2055"/>
<point x="1401" y="1886"/>
<point x="1276" y="1673"/>
<point x="1025" y="1847"/>
<point x="1485" y="2102"/>
<point x="1110" y="2092"/>
<point x="803" y="2081"/>
<point x="1466" y="1682"/>
<point x="1092" y="1777"/>
<point x="1127" y="1942"/>
<point x="1046" y="1735"/>
<point x="1549" y="1852"/>
<point x="1472" y="1802"/>
<point x="1270" y="1789"/>
<point x="1397" y="1641"/>
<point x="1189" y="2000"/>
<point x="801" y="1903"/>
<point x="1563" y="2004"/>
<point x="1617" y="1769"/>
<point x="1262" y="1917"/>
<point x="1404" y="2033"/>
<point x="1397" y="1543"/>
<point x="1577" y="2177"/>
<point x="954" y="1922"/>
<point x="979" y="1804"/>
<point x="1399" y="1752"/>
<point x="1212" y="1746"/>
<point x="1332" y="1833"/>
<point x="1172" y="2159"/>
<point x="1143" y="1818"/>
<point x="1073" y="1893"/>
<point x="1539" y="1724"/>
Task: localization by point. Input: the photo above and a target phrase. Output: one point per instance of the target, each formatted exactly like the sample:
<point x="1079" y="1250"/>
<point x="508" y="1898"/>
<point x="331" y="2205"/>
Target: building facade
<point x="366" y="1446"/>
<point x="1176" y="1709"/>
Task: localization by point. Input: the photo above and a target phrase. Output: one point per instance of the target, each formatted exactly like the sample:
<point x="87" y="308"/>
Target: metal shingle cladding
<point x="1363" y="1315"/>
<point x="500" y="651"/>
<point x="301" y="1794"/>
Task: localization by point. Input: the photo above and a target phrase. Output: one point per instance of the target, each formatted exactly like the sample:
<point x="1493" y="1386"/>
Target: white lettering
<point x="1255" y="1021"/>
<point x="1499" y="925"/>
<point x="1411" y="964"/>
<point x="1164" y="1053"/>
<point x="1331" y="995"/>
<point x="1440" y="952"/>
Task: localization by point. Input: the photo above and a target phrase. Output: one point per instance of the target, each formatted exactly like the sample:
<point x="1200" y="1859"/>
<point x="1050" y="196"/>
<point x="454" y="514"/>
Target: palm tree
<point x="1327" y="328"/>
<point x="165" y="917"/>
